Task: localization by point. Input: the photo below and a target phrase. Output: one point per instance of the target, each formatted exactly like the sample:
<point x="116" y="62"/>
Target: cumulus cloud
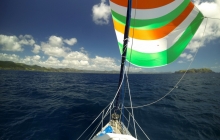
<point x="26" y="40"/>
<point x="57" y="55"/>
<point x="55" y="46"/>
<point x="36" y="57"/>
<point x="52" y="62"/>
<point x="210" y="9"/>
<point x="103" y="63"/>
<point x="186" y="56"/>
<point x="56" y="51"/>
<point x="31" y="60"/>
<point x="13" y="43"/>
<point x="76" y="56"/>
<point x="36" y="49"/>
<point x="71" y="41"/>
<point x="9" y="57"/>
<point x="101" y="13"/>
<point x="77" y="60"/>
<point x="10" y="43"/>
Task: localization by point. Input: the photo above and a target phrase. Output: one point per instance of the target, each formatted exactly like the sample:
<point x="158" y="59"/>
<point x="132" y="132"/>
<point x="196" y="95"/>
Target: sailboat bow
<point x="150" y="33"/>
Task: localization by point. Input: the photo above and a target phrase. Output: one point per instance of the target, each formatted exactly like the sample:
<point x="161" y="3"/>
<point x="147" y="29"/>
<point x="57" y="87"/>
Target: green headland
<point x="9" y="65"/>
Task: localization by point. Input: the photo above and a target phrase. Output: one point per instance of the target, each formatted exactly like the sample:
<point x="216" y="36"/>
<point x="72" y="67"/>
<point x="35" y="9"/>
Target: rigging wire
<point x="212" y="18"/>
<point x="139" y="127"/>
<point x="92" y="123"/>
<point x="127" y="72"/>
<point x="131" y="104"/>
<point x="179" y="79"/>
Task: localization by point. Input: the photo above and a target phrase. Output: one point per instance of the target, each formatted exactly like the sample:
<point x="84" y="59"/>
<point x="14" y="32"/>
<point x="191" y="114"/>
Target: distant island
<point x="202" y="70"/>
<point x="9" y="65"/>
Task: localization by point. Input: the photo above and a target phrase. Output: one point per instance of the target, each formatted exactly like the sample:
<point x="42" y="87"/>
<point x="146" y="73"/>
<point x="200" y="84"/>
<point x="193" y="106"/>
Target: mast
<point x="124" y="50"/>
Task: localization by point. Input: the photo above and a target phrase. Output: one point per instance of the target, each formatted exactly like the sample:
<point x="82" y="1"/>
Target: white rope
<point x="110" y="105"/>
<point x="102" y="119"/>
<point x="128" y="121"/>
<point x="115" y="96"/>
<point x="98" y="125"/>
<point x="104" y="109"/>
<point x="139" y="126"/>
<point x="179" y="79"/>
<point x="131" y="104"/>
<point x="212" y="18"/>
<point x="142" y="130"/>
<point x="95" y="130"/>
<point x="90" y="125"/>
<point x="90" y="134"/>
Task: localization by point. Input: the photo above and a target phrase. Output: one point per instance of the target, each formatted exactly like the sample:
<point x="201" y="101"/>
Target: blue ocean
<point x="60" y="106"/>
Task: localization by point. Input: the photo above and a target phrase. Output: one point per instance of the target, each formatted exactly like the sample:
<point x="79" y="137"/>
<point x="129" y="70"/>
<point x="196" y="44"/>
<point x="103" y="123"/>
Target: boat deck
<point x="114" y="130"/>
<point x="114" y="126"/>
<point x="118" y="128"/>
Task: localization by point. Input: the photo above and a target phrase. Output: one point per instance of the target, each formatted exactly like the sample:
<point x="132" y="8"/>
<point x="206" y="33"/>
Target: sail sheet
<point x="159" y="31"/>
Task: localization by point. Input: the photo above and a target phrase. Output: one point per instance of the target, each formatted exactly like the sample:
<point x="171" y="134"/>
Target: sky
<point x="80" y="34"/>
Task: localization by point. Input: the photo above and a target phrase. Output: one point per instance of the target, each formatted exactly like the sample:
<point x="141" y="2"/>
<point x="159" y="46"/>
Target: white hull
<point x="112" y="136"/>
<point x="114" y="131"/>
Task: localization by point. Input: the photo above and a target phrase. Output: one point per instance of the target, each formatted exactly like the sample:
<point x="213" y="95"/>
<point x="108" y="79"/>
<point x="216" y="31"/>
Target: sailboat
<point x="150" y="33"/>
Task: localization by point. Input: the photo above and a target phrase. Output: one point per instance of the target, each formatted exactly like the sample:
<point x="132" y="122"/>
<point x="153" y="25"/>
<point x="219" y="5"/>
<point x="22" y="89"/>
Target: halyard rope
<point x="104" y="109"/>
<point x="91" y="123"/>
<point x="138" y="125"/>
<point x="131" y="104"/>
<point x="179" y="79"/>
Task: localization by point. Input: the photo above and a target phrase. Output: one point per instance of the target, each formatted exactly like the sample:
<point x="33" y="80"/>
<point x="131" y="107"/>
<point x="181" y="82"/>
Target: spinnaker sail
<point x="160" y="30"/>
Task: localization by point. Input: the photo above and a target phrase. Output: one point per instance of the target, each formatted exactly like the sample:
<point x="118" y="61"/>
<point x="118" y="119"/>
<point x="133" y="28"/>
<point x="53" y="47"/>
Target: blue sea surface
<point x="55" y="106"/>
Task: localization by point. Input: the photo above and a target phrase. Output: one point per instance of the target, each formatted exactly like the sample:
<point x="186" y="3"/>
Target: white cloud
<point x="52" y="61"/>
<point x="195" y="44"/>
<point x="82" y="49"/>
<point x="136" y="69"/>
<point x="212" y="31"/>
<point x="31" y="60"/>
<point x="59" y="56"/>
<point x="183" y="55"/>
<point x="56" y="51"/>
<point x="55" y="47"/>
<point x="9" y="57"/>
<point x="101" y="13"/>
<point x="76" y="60"/>
<point x="188" y="57"/>
<point x="13" y="43"/>
<point x="215" y="67"/>
<point x="76" y="56"/>
<point x="103" y="63"/>
<point x="180" y="61"/>
<point x="10" y="43"/>
<point x="36" y="57"/>
<point x="36" y="49"/>
<point x="55" y="41"/>
<point x="71" y="41"/>
<point x="26" y="40"/>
